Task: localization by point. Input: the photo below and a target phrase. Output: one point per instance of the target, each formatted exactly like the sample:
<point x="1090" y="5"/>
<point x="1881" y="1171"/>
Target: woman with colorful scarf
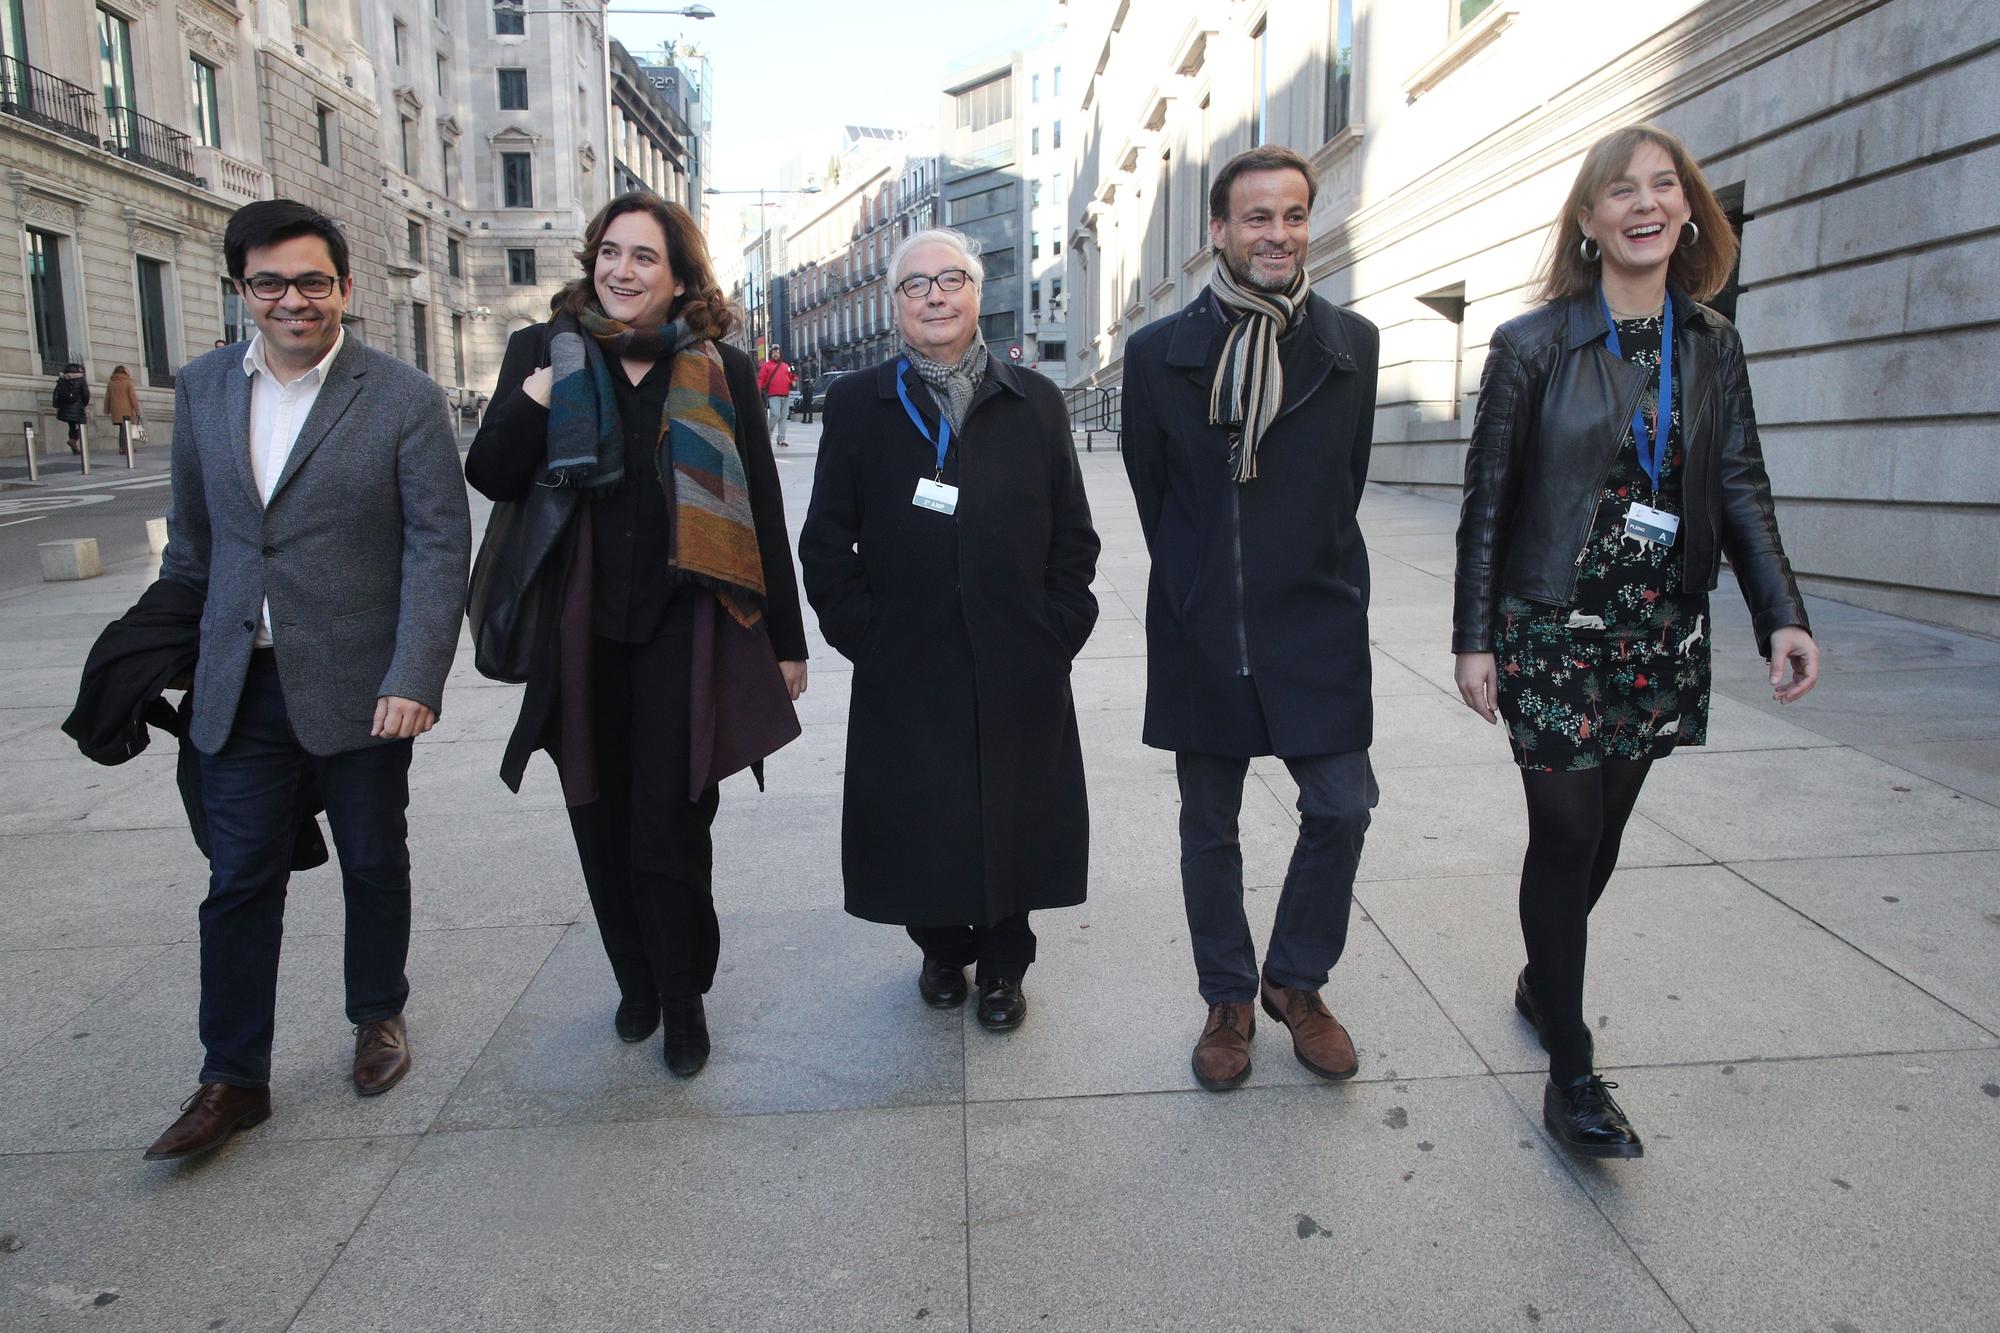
<point x="631" y="443"/>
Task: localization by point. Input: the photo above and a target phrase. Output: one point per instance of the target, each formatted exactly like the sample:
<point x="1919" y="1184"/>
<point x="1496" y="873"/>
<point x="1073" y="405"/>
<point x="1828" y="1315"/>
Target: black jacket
<point x="508" y="456"/>
<point x="965" y="796"/>
<point x="1257" y="609"/>
<point x="72" y="399"/>
<point x="1554" y="406"/>
<point x="139" y="655"/>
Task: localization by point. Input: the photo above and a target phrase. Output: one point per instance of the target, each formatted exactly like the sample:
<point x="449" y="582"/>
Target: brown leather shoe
<point x="1222" y="1056"/>
<point x="216" y="1111"/>
<point x="381" y="1055"/>
<point x="1318" y="1040"/>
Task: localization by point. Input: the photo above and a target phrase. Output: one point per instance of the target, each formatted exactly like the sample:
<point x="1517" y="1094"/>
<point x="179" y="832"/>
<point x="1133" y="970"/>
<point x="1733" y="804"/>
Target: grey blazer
<point x="362" y="551"/>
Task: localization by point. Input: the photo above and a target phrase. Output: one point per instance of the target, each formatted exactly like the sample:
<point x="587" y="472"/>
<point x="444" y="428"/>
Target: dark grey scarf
<point x="952" y="386"/>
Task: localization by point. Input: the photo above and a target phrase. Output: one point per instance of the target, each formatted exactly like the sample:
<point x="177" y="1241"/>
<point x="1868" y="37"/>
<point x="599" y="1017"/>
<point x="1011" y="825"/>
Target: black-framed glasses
<point x="271" y="287"/>
<point x="919" y="284"/>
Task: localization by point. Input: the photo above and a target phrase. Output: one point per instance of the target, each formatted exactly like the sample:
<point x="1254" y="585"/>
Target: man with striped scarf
<point x="1248" y="417"/>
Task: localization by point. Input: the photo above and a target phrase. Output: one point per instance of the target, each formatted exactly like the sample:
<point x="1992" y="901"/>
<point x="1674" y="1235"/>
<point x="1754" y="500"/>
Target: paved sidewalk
<point x="1793" y="983"/>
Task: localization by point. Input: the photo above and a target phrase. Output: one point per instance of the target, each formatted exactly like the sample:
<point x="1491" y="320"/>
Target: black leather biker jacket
<point x="1554" y="404"/>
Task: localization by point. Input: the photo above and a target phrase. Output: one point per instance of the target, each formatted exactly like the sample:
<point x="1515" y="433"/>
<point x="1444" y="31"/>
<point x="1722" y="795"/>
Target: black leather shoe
<point x="636" y="1019"/>
<point x="686" y="1043"/>
<point x="1525" y="1005"/>
<point x="1001" y="1005"/>
<point x="941" y="986"/>
<point x="1583" y="1118"/>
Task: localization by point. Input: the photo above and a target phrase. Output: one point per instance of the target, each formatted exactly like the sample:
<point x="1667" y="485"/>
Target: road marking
<point x="28" y="504"/>
<point x="13" y="523"/>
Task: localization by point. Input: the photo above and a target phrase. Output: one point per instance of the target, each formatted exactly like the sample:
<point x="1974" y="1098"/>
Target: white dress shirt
<point x="277" y="413"/>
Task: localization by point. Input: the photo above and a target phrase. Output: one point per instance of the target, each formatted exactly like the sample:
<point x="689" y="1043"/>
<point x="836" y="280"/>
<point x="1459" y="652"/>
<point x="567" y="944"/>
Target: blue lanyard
<point x="943" y="442"/>
<point x="1652" y="452"/>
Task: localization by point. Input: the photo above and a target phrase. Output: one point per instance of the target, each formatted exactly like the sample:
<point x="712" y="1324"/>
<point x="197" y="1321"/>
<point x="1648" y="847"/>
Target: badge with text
<point x="935" y="495"/>
<point x="1652" y="525"/>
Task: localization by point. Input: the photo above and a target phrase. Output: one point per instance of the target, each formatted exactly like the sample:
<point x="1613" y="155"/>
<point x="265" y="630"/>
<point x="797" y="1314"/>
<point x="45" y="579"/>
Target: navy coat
<point x="1257" y="609"/>
<point x="964" y="799"/>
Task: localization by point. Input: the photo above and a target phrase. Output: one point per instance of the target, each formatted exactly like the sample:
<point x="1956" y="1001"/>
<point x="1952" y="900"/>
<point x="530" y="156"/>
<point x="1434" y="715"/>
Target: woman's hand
<point x="1794" y="645"/>
<point x="539" y="385"/>
<point x="795" y="678"/>
<point x="1478" y="684"/>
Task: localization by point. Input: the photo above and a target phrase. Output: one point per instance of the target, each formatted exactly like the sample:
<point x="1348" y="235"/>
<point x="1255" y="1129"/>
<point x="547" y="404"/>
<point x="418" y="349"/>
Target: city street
<point x="1792" y="984"/>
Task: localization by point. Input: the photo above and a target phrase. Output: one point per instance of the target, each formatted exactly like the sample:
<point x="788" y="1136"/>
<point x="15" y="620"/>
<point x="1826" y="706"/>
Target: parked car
<point x="821" y="383"/>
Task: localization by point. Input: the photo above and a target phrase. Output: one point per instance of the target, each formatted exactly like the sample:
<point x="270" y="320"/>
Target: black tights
<point x="1575" y="822"/>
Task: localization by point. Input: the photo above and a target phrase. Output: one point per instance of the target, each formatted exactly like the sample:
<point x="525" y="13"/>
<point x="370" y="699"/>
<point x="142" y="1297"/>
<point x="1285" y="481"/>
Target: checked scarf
<point x="954" y="385"/>
<point x="715" y="534"/>
<point x="1249" y="383"/>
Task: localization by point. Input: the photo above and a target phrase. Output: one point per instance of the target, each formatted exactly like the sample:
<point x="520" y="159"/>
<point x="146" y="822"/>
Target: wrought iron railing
<point x="1096" y="410"/>
<point x="40" y="97"/>
<point x="141" y="139"/>
<point x="53" y="362"/>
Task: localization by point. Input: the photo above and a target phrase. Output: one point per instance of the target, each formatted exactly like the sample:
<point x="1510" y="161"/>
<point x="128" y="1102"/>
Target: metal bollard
<point x="125" y="442"/>
<point x="83" y="447"/>
<point x="34" y="465"/>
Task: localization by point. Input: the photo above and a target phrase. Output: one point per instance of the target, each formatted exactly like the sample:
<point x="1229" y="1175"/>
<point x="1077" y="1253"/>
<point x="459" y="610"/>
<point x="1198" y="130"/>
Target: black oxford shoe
<point x="636" y="1019"/>
<point x="686" y="1043"/>
<point x="941" y="986"/>
<point x="1525" y="1005"/>
<point x="1001" y="1005"/>
<point x="1583" y="1118"/>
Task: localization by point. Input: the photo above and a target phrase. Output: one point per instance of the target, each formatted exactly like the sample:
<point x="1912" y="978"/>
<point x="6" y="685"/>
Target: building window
<point x="420" y="336"/>
<point x="207" y="117"/>
<point x="999" y="325"/>
<point x="416" y="239"/>
<point x="1034" y="87"/>
<point x="513" y="89"/>
<point x="999" y="264"/>
<point x="233" y="319"/>
<point x="302" y="12"/>
<point x="1034" y="194"/>
<point x="1055" y="244"/>
<point x="521" y="268"/>
<point x="509" y="21"/>
<point x="1055" y="134"/>
<point x="1340" y="69"/>
<point x="1035" y="298"/>
<point x="409" y="142"/>
<point x="444" y="75"/>
<point x="1166" y="222"/>
<point x="1034" y="245"/>
<point x="458" y="349"/>
<point x="1035" y="140"/>
<point x="323" y="122"/>
<point x="1260" y="93"/>
<point x="1207" y="154"/>
<point x="991" y="103"/>
<point x="1055" y="82"/>
<point x="13" y="31"/>
<point x="400" y="39"/>
<point x="1052" y="350"/>
<point x="454" y="261"/>
<point x="517" y="180"/>
<point x="114" y="73"/>
<point x="448" y="163"/>
<point x="153" y="321"/>
<point x="1464" y="11"/>
<point x="48" y="286"/>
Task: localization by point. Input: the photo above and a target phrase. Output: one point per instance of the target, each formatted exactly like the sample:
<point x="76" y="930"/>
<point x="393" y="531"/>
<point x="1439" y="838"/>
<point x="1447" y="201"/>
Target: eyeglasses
<point x="920" y="284"/>
<point x="271" y="287"/>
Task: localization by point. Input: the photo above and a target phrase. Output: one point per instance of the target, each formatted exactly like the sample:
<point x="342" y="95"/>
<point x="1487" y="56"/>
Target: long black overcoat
<point x="1257" y="609"/>
<point x="965" y="797"/>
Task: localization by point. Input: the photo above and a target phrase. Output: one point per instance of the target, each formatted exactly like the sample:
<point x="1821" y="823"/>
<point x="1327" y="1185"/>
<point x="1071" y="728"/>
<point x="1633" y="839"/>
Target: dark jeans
<point x="1336" y="792"/>
<point x="645" y="847"/>
<point x="250" y="788"/>
<point x="1003" y="950"/>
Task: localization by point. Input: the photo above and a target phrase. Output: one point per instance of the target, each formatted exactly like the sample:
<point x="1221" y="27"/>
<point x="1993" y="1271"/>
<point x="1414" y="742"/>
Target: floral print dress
<point x="1622" y="672"/>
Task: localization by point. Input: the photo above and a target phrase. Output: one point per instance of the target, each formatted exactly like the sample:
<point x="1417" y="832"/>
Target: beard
<point x="1246" y="273"/>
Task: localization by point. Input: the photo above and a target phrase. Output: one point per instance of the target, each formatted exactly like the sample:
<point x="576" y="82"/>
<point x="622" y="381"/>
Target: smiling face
<point x="1263" y="240"/>
<point x="634" y="279"/>
<point x="940" y="324"/>
<point x="298" y="330"/>
<point x="1637" y="218"/>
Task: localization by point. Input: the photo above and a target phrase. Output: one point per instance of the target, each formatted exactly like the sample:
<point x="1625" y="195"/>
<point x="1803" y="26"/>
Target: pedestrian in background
<point x="634" y="438"/>
<point x="319" y="513"/>
<point x="774" y="381"/>
<point x="72" y="395"/>
<point x="1248" y="418"/>
<point x="1614" y="460"/>
<point x="948" y="551"/>
<point x="121" y="402"/>
<point x="805" y="398"/>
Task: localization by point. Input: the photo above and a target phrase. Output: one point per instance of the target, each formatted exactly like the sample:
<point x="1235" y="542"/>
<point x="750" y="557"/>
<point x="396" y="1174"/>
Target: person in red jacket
<point x="774" y="381"/>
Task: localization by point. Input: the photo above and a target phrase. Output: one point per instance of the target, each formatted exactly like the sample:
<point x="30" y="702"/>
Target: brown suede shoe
<point x="1222" y="1056"/>
<point x="1318" y="1040"/>
<point x="381" y="1055"/>
<point x="216" y="1111"/>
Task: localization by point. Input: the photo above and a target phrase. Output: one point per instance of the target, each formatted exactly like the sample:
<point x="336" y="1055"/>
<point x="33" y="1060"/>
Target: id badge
<point x="1652" y="525"/>
<point x="935" y="495"/>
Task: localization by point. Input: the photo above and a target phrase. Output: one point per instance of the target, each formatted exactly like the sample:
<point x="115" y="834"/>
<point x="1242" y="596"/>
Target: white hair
<point x="967" y="248"/>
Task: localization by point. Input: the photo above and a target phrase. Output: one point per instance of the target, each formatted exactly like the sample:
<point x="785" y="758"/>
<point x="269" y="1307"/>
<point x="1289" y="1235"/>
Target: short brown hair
<point x="1701" y="270"/>
<point x="1265" y="157"/>
<point x="703" y="305"/>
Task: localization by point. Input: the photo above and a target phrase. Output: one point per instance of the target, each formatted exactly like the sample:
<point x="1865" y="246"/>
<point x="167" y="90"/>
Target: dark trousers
<point x="1336" y="792"/>
<point x="647" y="857"/>
<point x="250" y="789"/>
<point x="1003" y="950"/>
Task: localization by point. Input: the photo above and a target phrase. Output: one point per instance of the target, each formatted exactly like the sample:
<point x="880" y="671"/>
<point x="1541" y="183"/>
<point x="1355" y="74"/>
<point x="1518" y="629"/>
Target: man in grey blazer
<point x="319" y="508"/>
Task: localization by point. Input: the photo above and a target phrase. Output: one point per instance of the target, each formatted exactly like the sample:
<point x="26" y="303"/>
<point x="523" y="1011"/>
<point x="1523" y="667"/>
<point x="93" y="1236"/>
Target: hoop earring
<point x="1589" y="249"/>
<point x="1690" y="235"/>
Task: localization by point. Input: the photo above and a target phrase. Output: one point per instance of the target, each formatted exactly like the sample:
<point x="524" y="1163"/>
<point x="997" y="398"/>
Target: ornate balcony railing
<point x="40" y="97"/>
<point x="146" y="141"/>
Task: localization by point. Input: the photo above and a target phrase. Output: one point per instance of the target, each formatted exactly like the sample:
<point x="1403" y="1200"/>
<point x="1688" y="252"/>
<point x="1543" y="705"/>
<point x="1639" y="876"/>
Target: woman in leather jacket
<point x="1614" y="460"/>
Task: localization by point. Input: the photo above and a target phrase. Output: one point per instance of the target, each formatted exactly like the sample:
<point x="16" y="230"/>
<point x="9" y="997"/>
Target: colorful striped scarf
<point x="1249" y="383"/>
<point x="715" y="532"/>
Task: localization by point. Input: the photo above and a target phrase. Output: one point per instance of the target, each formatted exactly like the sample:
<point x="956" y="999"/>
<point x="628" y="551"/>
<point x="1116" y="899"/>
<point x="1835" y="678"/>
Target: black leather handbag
<point x="516" y="589"/>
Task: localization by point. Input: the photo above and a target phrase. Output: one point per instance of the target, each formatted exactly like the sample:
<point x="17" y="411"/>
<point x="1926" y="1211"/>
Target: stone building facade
<point x="1852" y="141"/>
